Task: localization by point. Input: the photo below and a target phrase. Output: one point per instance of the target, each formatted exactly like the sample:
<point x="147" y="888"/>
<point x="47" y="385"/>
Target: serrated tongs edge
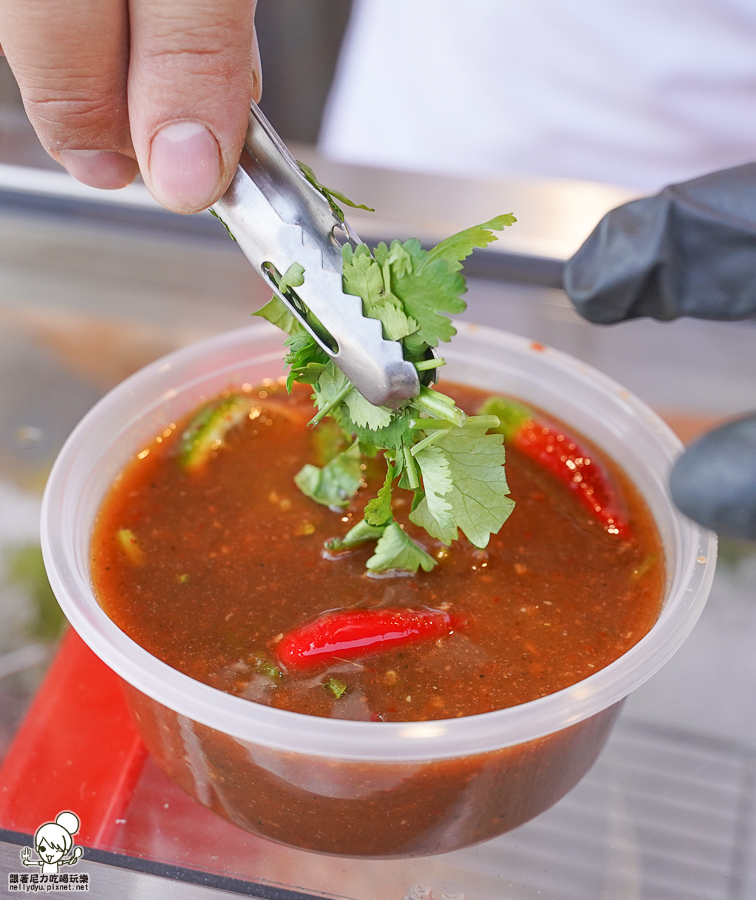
<point x="278" y="218"/>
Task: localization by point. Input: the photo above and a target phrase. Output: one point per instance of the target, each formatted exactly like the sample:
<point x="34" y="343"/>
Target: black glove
<point x="714" y="481"/>
<point x="689" y="251"/>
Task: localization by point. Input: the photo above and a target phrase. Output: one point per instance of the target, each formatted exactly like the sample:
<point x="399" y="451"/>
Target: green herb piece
<point x="184" y="579"/>
<point x="378" y="510"/>
<point x="453" y="467"/>
<point x="434" y="511"/>
<point x="306" y="358"/>
<point x="128" y="542"/>
<point x="511" y="415"/>
<point x="359" y="534"/>
<point x="396" y="550"/>
<point x="336" y="687"/>
<point x="364" y="414"/>
<point x="291" y="278"/>
<point x="331" y="194"/>
<point x="459" y="246"/>
<point x="423" y="365"/>
<point x="336" y="482"/>
<point x="276" y="312"/>
<point x="389" y="438"/>
<point x="466" y="469"/>
<point x="429" y="292"/>
<point x="438" y="405"/>
<point x="263" y="665"/>
<point x="208" y="430"/>
<point x="366" y="278"/>
<point x="328" y="440"/>
<point x="228" y="230"/>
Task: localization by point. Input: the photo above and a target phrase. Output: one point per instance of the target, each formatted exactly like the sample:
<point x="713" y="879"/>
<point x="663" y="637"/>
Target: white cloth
<point x="634" y="92"/>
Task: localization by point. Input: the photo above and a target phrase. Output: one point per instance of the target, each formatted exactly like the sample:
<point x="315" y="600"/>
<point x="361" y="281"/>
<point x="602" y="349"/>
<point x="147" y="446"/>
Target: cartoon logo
<point x="55" y="848"/>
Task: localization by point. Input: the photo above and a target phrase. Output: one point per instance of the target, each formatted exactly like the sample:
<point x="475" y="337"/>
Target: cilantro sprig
<point x="448" y="459"/>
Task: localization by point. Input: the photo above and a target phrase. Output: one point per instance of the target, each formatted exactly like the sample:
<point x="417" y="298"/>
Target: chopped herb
<point x="277" y="314"/>
<point x="396" y="550"/>
<point x="451" y="463"/>
<point x="336" y="687"/>
<point x="128" y="542"/>
<point x="214" y="213"/>
<point x="292" y="277"/>
<point x="336" y="482"/>
<point x="330" y="194"/>
<point x="378" y="510"/>
<point x="263" y="665"/>
<point x="360" y="534"/>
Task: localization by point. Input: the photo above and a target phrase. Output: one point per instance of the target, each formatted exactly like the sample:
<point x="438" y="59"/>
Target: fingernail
<point x="99" y="168"/>
<point x="185" y="167"/>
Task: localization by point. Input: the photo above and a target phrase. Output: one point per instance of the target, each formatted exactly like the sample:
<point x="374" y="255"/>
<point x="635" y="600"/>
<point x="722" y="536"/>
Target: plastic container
<point x="367" y="788"/>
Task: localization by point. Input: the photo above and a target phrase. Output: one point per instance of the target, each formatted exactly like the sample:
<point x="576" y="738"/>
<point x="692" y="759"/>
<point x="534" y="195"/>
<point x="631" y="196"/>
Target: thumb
<point x="714" y="481"/>
<point x="193" y="69"/>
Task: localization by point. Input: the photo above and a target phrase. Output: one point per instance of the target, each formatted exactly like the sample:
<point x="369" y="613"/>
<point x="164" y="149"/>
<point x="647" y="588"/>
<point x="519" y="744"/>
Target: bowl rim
<point x="351" y="740"/>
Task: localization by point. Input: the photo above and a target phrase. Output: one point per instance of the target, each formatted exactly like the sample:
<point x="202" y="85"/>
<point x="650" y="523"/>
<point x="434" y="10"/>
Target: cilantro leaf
<point x="429" y="293"/>
<point x="365" y="278"/>
<point x="459" y="246"/>
<point x="434" y="511"/>
<point x="479" y="492"/>
<point x="330" y="194"/>
<point x="364" y="414"/>
<point x="306" y="358"/>
<point x="356" y="535"/>
<point x="390" y="437"/>
<point x="397" y="325"/>
<point x="362" y="276"/>
<point x="404" y="257"/>
<point x="330" y="390"/>
<point x="378" y="510"/>
<point x="328" y="440"/>
<point x="336" y="482"/>
<point x="337" y="687"/>
<point x="228" y="230"/>
<point x="292" y="277"/>
<point x="396" y="550"/>
<point x="277" y="314"/>
<point x="451" y="463"/>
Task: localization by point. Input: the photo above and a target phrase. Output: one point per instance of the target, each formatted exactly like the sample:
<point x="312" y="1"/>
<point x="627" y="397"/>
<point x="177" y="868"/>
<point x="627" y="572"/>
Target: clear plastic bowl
<point x="369" y="788"/>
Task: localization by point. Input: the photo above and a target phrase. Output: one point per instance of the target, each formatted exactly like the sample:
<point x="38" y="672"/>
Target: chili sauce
<point x="209" y="564"/>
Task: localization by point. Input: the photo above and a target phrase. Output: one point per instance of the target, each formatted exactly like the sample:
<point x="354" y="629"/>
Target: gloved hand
<point x="689" y="251"/>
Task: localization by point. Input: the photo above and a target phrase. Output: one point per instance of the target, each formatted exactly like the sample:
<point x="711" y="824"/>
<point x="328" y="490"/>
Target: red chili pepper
<point x="561" y="455"/>
<point x="360" y="632"/>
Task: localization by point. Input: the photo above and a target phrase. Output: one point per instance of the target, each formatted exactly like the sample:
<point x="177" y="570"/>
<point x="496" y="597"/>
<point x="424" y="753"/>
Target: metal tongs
<point x="278" y="218"/>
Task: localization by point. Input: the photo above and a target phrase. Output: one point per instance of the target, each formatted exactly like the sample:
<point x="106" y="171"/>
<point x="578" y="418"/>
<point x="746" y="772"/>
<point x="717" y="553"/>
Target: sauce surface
<point x="230" y="558"/>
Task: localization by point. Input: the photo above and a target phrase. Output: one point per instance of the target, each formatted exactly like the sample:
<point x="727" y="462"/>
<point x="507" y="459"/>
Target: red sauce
<point x="231" y="559"/>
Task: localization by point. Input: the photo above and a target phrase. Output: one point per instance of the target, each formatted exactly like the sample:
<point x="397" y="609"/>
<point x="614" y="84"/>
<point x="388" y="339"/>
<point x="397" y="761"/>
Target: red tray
<point x="76" y="749"/>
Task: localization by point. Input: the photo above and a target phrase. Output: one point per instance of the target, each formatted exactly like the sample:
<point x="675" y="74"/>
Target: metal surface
<point x="554" y="215"/>
<point x="114" y="876"/>
<point x="279" y="219"/>
<point x="92" y="288"/>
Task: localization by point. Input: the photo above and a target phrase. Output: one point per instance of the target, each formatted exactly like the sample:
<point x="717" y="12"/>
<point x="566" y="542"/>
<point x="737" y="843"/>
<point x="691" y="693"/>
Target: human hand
<point x="26" y="855"/>
<point x="159" y="86"/>
<point x="691" y="250"/>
